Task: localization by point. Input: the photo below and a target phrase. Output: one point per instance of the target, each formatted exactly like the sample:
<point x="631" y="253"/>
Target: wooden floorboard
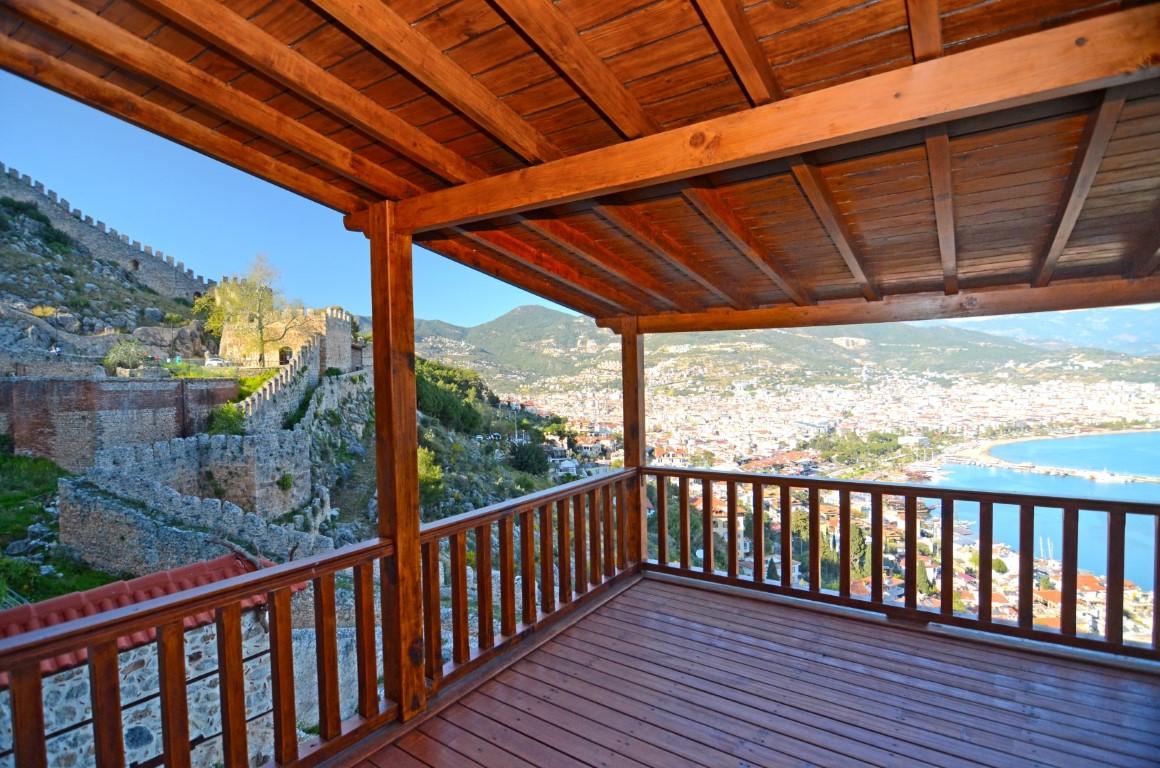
<point x="670" y="675"/>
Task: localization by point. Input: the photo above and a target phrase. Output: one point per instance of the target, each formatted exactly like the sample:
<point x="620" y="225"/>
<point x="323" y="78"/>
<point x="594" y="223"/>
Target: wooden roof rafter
<point x="1143" y="256"/>
<point x="1089" y="155"/>
<point x="35" y="64"/>
<point x="544" y="24"/>
<point x="925" y="27"/>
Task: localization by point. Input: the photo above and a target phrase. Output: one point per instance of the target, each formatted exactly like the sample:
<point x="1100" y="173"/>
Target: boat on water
<point x="1104" y="477"/>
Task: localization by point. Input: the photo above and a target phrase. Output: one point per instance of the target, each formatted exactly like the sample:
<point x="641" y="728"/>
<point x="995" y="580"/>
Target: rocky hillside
<point x="531" y="345"/>
<point x="55" y="293"/>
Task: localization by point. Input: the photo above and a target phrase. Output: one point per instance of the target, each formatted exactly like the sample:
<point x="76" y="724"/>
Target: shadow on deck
<point x="669" y="675"/>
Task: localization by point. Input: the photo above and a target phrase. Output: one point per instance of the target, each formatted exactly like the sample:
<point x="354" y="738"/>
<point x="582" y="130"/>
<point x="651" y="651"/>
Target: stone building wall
<point x="69" y="420"/>
<point x="152" y="267"/>
<point x="331" y="327"/>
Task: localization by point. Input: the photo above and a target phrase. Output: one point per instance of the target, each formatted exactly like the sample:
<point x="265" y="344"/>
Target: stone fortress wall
<point x="269" y="405"/>
<point x="151" y="266"/>
<point x="70" y="420"/>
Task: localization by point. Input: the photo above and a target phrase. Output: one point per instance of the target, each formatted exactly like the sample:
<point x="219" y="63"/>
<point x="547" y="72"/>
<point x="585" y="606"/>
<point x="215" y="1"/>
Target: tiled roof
<point x="58" y="610"/>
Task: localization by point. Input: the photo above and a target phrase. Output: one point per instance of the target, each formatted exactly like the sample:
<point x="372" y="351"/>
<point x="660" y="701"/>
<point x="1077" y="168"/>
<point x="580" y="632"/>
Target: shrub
<point x="529" y="458"/>
<point x="126" y="353"/>
<point x="6" y="445"/>
<point x="248" y="385"/>
<point x="998" y="566"/>
<point x="172" y="318"/>
<point x="227" y="419"/>
<point x="286" y="482"/>
<point x="430" y="477"/>
<point x="43" y="310"/>
<point x="332" y="371"/>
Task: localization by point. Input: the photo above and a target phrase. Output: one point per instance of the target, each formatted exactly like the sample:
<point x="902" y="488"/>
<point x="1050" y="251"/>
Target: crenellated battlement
<point x="153" y="267"/>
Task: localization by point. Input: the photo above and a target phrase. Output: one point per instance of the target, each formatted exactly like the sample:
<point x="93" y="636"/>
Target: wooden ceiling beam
<point x="490" y="263"/>
<point x="926" y="43"/>
<point x="559" y="41"/>
<point x="730" y="28"/>
<point x="719" y="213"/>
<point x="220" y="26"/>
<point x="1143" y="257"/>
<point x="1066" y="294"/>
<point x="1087" y="55"/>
<point x="46" y="70"/>
<point x="390" y="34"/>
<point x="818" y="194"/>
<point x="661" y="244"/>
<point x="124" y="49"/>
<point x="938" y="163"/>
<point x="555" y="268"/>
<point x="580" y="245"/>
<point x="1094" y="142"/>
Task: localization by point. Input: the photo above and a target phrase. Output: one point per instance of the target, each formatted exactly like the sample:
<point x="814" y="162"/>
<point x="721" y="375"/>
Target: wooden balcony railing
<point x="554" y="547"/>
<point x="806" y="527"/>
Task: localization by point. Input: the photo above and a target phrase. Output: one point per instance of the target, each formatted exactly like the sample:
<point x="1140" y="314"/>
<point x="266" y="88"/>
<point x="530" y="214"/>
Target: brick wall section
<point x="152" y="267"/>
<point x="69" y="420"/>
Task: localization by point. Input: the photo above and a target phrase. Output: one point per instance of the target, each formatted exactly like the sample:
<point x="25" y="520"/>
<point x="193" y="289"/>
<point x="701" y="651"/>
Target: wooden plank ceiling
<point x="350" y="102"/>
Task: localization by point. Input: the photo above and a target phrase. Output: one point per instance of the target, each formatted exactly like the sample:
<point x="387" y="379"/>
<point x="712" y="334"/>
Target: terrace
<point x="660" y="166"/>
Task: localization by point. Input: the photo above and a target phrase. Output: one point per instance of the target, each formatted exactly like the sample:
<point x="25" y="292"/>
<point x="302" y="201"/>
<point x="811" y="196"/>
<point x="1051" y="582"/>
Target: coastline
<point x="979" y="453"/>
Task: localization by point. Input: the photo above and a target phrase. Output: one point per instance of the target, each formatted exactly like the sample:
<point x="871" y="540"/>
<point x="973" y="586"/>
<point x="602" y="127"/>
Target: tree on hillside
<point x="259" y="314"/>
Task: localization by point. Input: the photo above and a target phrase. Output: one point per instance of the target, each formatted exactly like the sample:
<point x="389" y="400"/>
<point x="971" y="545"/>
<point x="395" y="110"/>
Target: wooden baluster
<point x="27" y="701"/>
<point x="579" y="544"/>
<point x="1114" y="629"/>
<point x="594" y="569"/>
<point x="547" y="571"/>
<point x="606" y="512"/>
<point x="758" y="534"/>
<point x="326" y="653"/>
<point x="662" y="520"/>
<point x="172" y="694"/>
<point x="815" y="542"/>
<point x="564" y="552"/>
<point x="1069" y="556"/>
<point x="1026" y="564"/>
<point x="946" y="590"/>
<point x="731" y="521"/>
<point x="683" y="490"/>
<point x="507" y="577"/>
<point x="786" y="511"/>
<point x="282" y="677"/>
<point x="986" y="536"/>
<point x="910" y="595"/>
<point x="1155" y="582"/>
<point x="432" y="612"/>
<point x="876" y="544"/>
<point x="105" y="693"/>
<point x="232" y="686"/>
<point x="528" y="566"/>
<point x="622" y="513"/>
<point x="460" y="643"/>
<point x="706" y="525"/>
<point x="364" y="638"/>
<point x="844" y="543"/>
<point x="484" y="596"/>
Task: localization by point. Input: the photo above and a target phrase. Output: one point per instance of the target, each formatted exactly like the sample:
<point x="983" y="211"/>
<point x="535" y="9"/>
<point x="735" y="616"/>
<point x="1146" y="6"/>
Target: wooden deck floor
<point x="668" y="676"/>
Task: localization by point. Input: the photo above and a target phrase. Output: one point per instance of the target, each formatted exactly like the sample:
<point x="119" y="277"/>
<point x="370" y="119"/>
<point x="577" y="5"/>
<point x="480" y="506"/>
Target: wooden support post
<point x="632" y="381"/>
<point x="396" y="451"/>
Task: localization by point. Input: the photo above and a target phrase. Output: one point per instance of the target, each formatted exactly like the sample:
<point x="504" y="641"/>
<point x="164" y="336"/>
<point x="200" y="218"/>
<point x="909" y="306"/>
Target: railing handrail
<point x="909" y="489"/>
<point x="66" y="637"/>
<point x="461" y="523"/>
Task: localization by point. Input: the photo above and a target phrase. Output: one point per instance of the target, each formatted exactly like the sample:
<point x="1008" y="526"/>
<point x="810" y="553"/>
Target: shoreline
<point x="979" y="453"/>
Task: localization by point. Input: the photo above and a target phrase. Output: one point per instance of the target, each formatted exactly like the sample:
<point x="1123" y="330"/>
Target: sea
<point x="1129" y="453"/>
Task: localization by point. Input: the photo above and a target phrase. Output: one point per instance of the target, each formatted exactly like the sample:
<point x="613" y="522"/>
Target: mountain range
<point x="530" y="345"/>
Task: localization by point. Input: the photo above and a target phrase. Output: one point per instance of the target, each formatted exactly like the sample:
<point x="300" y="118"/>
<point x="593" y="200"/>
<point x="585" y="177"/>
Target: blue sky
<point x="213" y="217"/>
